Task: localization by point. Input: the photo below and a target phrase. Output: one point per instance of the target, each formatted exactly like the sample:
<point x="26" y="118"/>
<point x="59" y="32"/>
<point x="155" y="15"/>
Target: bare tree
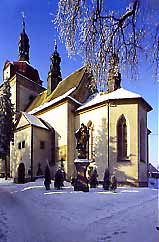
<point x="91" y="28"/>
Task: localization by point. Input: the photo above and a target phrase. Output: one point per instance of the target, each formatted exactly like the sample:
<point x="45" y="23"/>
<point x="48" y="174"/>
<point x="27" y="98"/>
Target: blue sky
<point x="42" y="34"/>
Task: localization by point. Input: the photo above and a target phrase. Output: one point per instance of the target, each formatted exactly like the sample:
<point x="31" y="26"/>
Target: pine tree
<point x="6" y="124"/>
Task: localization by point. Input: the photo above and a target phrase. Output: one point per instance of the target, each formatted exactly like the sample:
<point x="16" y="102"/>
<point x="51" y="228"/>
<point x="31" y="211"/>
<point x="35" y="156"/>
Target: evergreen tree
<point x="6" y="124"/>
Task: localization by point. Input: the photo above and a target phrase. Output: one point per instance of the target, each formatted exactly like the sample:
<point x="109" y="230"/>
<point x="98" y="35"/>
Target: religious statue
<point x="82" y="137"/>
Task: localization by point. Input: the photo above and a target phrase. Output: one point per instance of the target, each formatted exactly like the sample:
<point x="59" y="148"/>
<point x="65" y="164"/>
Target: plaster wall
<point x="42" y="156"/>
<point x="143" y="163"/>
<point x="24" y="95"/>
<point x="71" y="147"/>
<point x="98" y="117"/>
<point x="23" y="121"/>
<point x="23" y="154"/>
<point x="7" y="72"/>
<point x="57" y="117"/>
<point x="126" y="171"/>
<point x="13" y="94"/>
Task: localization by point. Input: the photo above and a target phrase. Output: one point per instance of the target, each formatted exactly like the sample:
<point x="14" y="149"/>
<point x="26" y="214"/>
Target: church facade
<point x="47" y="119"/>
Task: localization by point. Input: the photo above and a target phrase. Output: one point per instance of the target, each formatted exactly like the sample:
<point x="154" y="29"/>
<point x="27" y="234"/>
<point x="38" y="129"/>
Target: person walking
<point x="93" y="179"/>
<point x="106" y="182"/>
<point x="47" y="180"/>
<point x="59" y="179"/>
<point x="113" y="183"/>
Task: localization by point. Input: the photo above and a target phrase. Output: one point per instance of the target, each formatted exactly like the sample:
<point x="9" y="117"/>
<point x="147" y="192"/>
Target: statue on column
<point x="81" y="164"/>
<point x="82" y="137"/>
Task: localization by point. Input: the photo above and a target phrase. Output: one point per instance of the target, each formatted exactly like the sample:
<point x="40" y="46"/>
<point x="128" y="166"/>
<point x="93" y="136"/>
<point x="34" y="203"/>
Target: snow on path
<point x="29" y="213"/>
<point x="24" y="224"/>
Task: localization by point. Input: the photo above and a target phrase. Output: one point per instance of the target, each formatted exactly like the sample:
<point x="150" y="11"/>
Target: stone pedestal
<point x="81" y="182"/>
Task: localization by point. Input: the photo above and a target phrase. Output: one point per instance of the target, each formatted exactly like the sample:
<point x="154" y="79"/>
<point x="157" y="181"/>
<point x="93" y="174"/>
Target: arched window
<point x="142" y="140"/>
<point x="122" y="138"/>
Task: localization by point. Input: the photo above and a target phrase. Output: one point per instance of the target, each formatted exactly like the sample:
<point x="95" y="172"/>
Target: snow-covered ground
<point x="29" y="213"/>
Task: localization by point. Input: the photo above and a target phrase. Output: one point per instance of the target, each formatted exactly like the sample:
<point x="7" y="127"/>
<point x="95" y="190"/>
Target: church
<point x="47" y="119"/>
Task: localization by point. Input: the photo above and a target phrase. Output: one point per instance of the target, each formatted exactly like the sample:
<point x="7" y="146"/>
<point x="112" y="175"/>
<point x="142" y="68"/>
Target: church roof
<point x="24" y="68"/>
<point x="67" y="84"/>
<point x="33" y="120"/>
<point x="55" y="100"/>
<point x="118" y="94"/>
<point x="152" y="168"/>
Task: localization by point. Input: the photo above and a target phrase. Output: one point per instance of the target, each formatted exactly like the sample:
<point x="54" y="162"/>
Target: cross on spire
<point x="23" y="43"/>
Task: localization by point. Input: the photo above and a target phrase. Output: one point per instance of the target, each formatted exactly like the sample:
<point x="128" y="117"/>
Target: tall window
<point x="122" y="138"/>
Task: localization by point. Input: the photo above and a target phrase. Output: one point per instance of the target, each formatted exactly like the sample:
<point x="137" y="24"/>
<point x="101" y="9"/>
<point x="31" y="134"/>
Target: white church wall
<point x="143" y="161"/>
<point x="25" y="95"/>
<point x="126" y="171"/>
<point x="41" y="149"/>
<point x="13" y="93"/>
<point x="7" y="72"/>
<point x="98" y="117"/>
<point x="23" y="121"/>
<point x="18" y="153"/>
<point x="71" y="146"/>
<point x="57" y="117"/>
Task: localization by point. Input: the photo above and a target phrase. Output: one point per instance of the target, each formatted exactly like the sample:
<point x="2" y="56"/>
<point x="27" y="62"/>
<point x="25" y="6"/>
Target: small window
<point x="19" y="145"/>
<point x="23" y="144"/>
<point x="42" y="145"/>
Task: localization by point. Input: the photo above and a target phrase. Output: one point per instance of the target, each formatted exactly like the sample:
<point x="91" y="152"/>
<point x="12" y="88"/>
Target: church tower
<point x="114" y="76"/>
<point x="24" y="45"/>
<point x="54" y="75"/>
<point x="24" y="79"/>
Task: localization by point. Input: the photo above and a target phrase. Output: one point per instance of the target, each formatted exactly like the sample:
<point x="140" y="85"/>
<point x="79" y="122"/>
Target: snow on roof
<point x="45" y="105"/>
<point x="34" y="120"/>
<point x="27" y="63"/>
<point x="120" y="93"/>
<point x="75" y="100"/>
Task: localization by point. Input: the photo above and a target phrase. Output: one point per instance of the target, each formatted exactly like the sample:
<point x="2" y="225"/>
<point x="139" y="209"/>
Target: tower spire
<point x="114" y="76"/>
<point x="23" y="43"/>
<point x="55" y="46"/>
<point x="54" y="75"/>
<point x="23" y="21"/>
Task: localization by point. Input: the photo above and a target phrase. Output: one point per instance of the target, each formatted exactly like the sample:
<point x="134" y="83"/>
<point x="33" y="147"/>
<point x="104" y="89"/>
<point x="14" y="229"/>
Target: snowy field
<point x="29" y="213"/>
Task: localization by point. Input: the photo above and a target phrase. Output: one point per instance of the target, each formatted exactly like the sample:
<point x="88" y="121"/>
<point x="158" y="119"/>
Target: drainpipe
<point x="31" y="160"/>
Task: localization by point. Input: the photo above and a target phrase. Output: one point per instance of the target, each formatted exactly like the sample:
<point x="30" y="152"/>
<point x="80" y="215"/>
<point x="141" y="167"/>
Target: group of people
<point x="109" y="182"/>
<point x="59" y="178"/>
